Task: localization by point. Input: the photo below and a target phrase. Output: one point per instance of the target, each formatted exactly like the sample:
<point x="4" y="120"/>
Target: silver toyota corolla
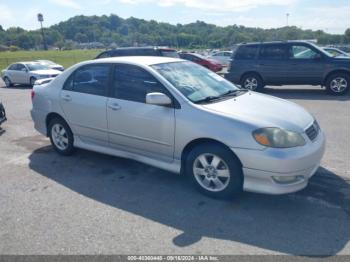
<point x="179" y="116"/>
<point x="26" y="73"/>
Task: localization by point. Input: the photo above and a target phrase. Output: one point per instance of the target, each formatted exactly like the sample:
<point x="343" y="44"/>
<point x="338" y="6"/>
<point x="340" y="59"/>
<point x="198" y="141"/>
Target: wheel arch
<point x="251" y="72"/>
<point x="200" y="141"/>
<point x="49" y="118"/>
<point x="337" y="71"/>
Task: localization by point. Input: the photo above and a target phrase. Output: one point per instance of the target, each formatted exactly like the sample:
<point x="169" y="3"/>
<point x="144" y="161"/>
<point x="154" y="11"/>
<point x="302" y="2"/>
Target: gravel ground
<point x="97" y="204"/>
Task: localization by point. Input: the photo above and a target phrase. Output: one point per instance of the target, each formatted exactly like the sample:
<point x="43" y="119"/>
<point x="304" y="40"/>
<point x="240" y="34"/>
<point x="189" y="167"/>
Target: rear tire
<point x="8" y="82"/>
<point x="61" y="137"/>
<point x="338" y="84"/>
<point x="214" y="171"/>
<point x="252" y="82"/>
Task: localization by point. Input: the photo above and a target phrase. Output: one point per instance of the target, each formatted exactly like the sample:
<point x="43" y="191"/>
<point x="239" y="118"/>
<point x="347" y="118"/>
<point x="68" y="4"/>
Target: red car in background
<point x="202" y="60"/>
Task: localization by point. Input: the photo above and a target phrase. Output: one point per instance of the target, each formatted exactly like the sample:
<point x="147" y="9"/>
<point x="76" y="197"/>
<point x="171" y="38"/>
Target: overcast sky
<point x="330" y="16"/>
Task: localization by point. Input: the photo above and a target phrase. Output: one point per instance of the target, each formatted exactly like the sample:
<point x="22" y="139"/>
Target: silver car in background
<point x="223" y="57"/>
<point x="181" y="117"/>
<point x="26" y="73"/>
<point x="51" y="64"/>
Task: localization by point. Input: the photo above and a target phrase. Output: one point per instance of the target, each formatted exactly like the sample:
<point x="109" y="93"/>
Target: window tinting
<point x="134" y="83"/>
<point x="246" y="52"/>
<point x="275" y="52"/>
<point x="91" y="79"/>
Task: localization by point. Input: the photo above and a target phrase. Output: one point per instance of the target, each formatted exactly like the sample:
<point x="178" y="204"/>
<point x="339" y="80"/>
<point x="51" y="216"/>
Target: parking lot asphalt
<point x="92" y="203"/>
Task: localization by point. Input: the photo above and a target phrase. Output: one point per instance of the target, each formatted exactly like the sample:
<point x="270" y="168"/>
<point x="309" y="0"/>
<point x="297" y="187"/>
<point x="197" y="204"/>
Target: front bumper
<point x="262" y="167"/>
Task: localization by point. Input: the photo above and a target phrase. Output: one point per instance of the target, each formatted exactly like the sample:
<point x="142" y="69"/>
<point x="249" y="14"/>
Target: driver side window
<point x="134" y="83"/>
<point x="302" y="52"/>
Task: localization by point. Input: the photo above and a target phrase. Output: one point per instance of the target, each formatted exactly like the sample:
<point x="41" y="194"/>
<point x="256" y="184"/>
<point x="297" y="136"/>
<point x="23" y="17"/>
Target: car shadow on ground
<point x="304" y="94"/>
<point x="17" y="87"/>
<point x="315" y="221"/>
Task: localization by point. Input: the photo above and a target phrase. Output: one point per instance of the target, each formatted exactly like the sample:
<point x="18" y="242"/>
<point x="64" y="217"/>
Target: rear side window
<point x="246" y="52"/>
<point x="13" y="67"/>
<point x="134" y="83"/>
<point x="273" y="52"/>
<point x="89" y="79"/>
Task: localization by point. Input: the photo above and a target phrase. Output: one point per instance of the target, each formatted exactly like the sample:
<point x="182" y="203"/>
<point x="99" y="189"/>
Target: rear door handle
<point x="67" y="98"/>
<point x="114" y="106"/>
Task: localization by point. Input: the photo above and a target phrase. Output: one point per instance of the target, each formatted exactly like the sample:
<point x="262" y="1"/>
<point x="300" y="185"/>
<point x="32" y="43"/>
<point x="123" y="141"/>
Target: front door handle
<point x="67" y="98"/>
<point x="114" y="106"/>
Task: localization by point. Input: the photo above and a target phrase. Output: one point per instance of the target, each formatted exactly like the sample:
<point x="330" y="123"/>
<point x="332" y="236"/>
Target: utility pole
<point x="287" y="18"/>
<point x="41" y="19"/>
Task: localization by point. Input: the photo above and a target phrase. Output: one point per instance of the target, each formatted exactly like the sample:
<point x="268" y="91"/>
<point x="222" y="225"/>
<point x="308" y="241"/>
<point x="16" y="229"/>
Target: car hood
<point x="262" y="110"/>
<point x="46" y="72"/>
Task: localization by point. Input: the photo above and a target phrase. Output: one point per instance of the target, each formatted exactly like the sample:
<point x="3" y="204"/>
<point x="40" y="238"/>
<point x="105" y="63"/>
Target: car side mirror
<point x="158" y="99"/>
<point x="318" y="57"/>
<point x="24" y="70"/>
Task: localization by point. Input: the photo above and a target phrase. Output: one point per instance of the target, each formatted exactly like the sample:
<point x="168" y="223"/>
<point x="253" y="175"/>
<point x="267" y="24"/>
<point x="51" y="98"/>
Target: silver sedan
<point x="181" y="117"/>
<point x="26" y="73"/>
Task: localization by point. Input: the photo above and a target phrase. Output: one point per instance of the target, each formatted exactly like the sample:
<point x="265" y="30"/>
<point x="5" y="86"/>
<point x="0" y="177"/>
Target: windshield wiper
<point x="207" y="99"/>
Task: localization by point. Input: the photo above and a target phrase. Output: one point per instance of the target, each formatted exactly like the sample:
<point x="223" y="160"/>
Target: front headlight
<point x="278" y="138"/>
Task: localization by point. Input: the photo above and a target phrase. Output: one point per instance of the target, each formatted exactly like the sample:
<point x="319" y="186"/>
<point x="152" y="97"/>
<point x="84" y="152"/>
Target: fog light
<point x="287" y="179"/>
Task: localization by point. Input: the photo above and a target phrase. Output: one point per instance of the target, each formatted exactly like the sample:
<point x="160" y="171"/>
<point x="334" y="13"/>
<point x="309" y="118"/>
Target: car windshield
<point x="170" y="53"/>
<point x="195" y="82"/>
<point x="37" y="66"/>
<point x="46" y="62"/>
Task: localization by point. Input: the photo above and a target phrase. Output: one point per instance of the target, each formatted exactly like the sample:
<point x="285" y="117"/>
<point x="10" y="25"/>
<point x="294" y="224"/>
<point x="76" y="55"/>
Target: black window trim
<point x="175" y="104"/>
<point x="106" y="91"/>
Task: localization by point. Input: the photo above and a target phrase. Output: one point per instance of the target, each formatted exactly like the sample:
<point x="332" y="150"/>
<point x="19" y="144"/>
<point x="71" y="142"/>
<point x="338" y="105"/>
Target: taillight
<point x="32" y="94"/>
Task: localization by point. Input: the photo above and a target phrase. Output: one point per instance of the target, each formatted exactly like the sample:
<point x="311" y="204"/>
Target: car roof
<point x="141" y="60"/>
<point x="277" y="42"/>
<point x="142" y="48"/>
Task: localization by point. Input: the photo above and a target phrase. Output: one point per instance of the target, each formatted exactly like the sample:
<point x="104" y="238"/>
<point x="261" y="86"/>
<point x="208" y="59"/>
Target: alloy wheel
<point x="339" y="84"/>
<point x="251" y="83"/>
<point x="59" y="136"/>
<point x="211" y="172"/>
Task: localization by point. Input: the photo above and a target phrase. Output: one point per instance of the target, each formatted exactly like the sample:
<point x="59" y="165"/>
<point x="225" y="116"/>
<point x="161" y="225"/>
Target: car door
<point x="272" y="63"/>
<point x="84" y="100"/>
<point x="306" y="64"/>
<point x="11" y="73"/>
<point x="22" y="74"/>
<point x="16" y="74"/>
<point x="133" y="125"/>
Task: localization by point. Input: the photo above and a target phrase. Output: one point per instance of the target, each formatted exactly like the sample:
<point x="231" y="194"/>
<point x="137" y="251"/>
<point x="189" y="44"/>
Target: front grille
<point x="313" y="131"/>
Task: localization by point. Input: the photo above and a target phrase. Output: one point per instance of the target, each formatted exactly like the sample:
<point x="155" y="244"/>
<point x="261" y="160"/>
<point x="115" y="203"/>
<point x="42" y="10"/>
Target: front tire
<point x="338" y="84"/>
<point x="215" y="171"/>
<point x="61" y="137"/>
<point x="32" y="81"/>
<point x="252" y="82"/>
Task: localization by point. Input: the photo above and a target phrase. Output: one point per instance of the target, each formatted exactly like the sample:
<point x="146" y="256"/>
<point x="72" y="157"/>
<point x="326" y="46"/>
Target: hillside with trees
<point x="133" y="31"/>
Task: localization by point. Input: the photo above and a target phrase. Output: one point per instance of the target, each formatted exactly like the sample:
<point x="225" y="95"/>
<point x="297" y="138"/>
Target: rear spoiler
<point x="43" y="81"/>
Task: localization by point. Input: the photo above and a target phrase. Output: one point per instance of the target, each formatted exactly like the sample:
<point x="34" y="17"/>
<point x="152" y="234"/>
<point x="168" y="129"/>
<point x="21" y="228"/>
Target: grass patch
<point x="65" y="58"/>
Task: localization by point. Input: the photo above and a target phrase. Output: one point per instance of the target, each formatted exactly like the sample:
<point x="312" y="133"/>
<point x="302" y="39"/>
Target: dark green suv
<point x="255" y="65"/>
